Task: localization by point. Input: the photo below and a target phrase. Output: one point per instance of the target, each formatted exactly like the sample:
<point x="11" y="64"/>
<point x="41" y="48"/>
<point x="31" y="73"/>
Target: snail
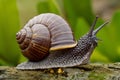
<point x="48" y="42"/>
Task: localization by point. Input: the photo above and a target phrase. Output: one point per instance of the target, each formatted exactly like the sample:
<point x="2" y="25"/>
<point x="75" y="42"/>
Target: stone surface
<point x="91" y="71"/>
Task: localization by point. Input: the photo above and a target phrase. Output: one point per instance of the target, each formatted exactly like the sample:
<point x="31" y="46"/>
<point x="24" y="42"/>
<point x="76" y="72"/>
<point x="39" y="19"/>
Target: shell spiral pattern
<point x="43" y="33"/>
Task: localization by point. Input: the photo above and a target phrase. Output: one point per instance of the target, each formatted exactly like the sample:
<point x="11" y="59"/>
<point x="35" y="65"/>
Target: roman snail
<point x="48" y="42"/>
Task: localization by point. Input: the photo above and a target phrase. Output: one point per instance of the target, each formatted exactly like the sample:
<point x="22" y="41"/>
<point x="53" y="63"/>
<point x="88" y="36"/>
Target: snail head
<point x="92" y="33"/>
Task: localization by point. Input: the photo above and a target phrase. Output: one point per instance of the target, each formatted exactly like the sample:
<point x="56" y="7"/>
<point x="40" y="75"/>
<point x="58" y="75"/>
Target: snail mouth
<point x="96" y="39"/>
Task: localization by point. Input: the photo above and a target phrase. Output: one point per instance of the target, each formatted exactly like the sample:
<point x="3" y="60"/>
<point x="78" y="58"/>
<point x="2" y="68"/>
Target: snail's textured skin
<point x="65" y="52"/>
<point x="65" y="58"/>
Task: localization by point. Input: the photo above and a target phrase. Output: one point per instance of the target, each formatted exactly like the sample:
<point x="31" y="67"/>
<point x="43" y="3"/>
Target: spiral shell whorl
<point x="43" y="33"/>
<point x="33" y="45"/>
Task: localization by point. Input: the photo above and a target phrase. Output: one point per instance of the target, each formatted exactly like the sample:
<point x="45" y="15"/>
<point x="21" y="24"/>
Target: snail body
<point x="47" y="41"/>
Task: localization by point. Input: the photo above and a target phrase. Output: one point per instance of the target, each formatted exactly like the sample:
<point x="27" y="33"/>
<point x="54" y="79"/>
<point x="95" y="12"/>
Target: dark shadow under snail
<point x="47" y="41"/>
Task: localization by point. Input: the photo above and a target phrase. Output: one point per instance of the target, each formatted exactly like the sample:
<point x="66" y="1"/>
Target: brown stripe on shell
<point x="42" y="42"/>
<point x="21" y="35"/>
<point x="27" y="39"/>
<point x="36" y="51"/>
<point x="39" y="44"/>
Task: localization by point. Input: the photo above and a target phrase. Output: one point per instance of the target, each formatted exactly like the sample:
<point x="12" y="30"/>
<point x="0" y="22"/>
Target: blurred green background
<point x="80" y="14"/>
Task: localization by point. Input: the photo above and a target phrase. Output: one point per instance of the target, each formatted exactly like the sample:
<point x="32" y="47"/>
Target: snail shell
<point x="44" y="33"/>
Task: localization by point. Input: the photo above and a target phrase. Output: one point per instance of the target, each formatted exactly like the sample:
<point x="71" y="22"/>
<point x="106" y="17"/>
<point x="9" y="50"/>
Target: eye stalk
<point x="92" y="27"/>
<point x="99" y="28"/>
<point x="94" y="32"/>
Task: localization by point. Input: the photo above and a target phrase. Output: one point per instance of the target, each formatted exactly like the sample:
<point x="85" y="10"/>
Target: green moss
<point x="97" y="76"/>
